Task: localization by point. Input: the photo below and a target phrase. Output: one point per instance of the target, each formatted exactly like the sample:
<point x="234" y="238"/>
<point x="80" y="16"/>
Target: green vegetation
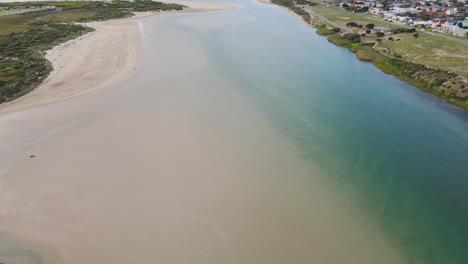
<point x="15" y="12"/>
<point x="403" y="30"/>
<point x="21" y="64"/>
<point x="325" y="31"/>
<point x="447" y="85"/>
<point x="292" y="5"/>
<point x="432" y="51"/>
<point x="25" y="36"/>
<point x="122" y="9"/>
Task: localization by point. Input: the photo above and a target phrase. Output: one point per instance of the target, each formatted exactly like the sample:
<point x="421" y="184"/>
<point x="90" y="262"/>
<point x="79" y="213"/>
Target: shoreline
<point x="91" y="62"/>
<point x="81" y="66"/>
<point x="386" y="64"/>
<point x="268" y="2"/>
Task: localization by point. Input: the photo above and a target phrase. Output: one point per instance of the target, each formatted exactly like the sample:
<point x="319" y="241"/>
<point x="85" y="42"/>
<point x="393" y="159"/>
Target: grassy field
<point x="431" y="50"/>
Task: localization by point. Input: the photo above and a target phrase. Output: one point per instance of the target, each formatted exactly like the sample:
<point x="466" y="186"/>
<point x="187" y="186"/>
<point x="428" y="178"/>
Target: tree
<point x="416" y="35"/>
<point x="351" y="24"/>
<point x="370" y="26"/>
<point x="368" y="31"/>
<point x="379" y="34"/>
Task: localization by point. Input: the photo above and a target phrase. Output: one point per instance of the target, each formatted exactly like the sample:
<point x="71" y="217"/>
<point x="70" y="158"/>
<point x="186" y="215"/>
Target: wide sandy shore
<point x="97" y="60"/>
<point x="174" y="165"/>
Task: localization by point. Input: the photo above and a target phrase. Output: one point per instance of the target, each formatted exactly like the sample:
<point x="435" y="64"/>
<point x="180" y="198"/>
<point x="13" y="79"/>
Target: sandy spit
<point x="100" y="59"/>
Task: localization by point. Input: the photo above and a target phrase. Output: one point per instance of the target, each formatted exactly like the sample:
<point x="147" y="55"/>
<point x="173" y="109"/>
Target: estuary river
<point x="244" y="138"/>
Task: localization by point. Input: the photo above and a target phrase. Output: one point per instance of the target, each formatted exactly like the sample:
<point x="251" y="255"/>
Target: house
<point x="411" y="20"/>
<point x="369" y="3"/>
<point x="388" y="15"/>
<point x="376" y="11"/>
<point x="434" y="8"/>
<point x="430" y="14"/>
<point x="438" y="23"/>
<point x="459" y="28"/>
<point x="400" y="18"/>
<point x="450" y="10"/>
<point x="399" y="10"/>
<point x="422" y="23"/>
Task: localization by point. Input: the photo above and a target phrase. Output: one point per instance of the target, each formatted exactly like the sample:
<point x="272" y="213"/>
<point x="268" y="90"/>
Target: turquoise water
<point x="403" y="153"/>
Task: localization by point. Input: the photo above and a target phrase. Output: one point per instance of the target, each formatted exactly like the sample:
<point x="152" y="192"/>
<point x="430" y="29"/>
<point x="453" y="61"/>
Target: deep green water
<point x="401" y="152"/>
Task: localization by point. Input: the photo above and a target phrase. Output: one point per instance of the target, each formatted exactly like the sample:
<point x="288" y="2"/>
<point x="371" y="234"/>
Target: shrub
<point x="353" y="37"/>
<point x="403" y="30"/>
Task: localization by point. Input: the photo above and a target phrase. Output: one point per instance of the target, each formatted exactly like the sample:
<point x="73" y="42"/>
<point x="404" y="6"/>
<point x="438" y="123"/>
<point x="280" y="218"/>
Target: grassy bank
<point x="24" y="36"/>
<point x="450" y="86"/>
<point x="431" y="63"/>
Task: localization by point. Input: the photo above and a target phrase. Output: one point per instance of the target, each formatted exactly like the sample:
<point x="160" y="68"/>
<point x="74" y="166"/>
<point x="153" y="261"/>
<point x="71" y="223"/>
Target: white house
<point x="376" y="11"/>
<point x="456" y="29"/>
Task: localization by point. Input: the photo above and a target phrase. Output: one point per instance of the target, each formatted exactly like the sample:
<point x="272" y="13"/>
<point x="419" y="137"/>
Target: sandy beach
<point x="100" y="59"/>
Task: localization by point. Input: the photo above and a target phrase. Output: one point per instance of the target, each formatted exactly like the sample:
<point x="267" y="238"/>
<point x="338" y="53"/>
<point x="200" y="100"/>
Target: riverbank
<point x="442" y="83"/>
<point x="92" y="62"/>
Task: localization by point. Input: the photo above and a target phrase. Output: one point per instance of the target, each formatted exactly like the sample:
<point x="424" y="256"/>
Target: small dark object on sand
<point x="32" y="156"/>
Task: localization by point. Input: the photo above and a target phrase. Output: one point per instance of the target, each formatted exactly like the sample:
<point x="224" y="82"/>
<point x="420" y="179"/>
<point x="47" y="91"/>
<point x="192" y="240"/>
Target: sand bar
<point x="97" y="60"/>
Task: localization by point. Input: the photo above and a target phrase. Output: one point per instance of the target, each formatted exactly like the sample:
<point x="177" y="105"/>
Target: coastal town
<point x="438" y="16"/>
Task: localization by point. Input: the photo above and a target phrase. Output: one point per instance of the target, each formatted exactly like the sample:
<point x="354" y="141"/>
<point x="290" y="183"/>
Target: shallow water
<point x="399" y="150"/>
<point x="249" y="139"/>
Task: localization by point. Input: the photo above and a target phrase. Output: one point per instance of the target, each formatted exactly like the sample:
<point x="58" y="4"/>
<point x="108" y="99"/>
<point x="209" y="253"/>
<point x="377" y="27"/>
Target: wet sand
<point x="171" y="166"/>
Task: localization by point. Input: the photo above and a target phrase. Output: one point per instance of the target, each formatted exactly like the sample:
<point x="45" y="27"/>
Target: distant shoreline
<point x="91" y="62"/>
